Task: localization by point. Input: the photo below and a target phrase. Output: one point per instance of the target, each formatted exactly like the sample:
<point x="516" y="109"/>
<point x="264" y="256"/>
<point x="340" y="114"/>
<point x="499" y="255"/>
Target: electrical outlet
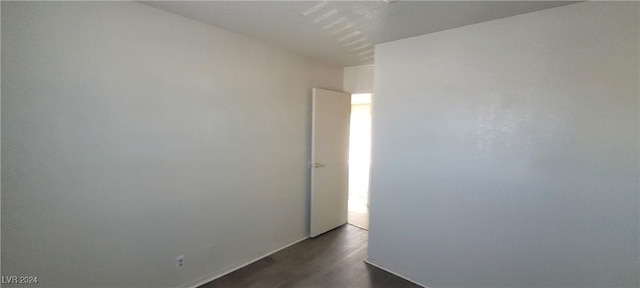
<point x="179" y="261"/>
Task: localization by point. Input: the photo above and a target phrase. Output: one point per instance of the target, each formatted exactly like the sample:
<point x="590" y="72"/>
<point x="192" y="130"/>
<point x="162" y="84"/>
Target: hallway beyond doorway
<point x="359" y="160"/>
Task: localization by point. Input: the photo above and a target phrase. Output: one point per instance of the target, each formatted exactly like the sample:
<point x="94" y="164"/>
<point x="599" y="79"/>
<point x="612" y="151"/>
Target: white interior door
<point x="329" y="160"/>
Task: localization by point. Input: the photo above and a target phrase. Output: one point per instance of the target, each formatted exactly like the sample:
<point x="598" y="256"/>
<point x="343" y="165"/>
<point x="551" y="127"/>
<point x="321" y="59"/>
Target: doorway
<point x="359" y="160"/>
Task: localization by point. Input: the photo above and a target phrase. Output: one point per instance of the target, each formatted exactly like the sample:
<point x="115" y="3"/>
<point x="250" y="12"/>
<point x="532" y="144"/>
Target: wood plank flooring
<point x="334" y="259"/>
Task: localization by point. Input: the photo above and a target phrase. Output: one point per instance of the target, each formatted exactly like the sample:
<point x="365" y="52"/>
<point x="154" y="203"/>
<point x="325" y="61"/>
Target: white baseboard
<point x="394" y="273"/>
<point x="208" y="278"/>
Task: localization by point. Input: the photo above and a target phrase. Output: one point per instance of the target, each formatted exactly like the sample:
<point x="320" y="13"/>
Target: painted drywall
<point x="358" y="79"/>
<point x="131" y="135"/>
<point x="506" y="154"/>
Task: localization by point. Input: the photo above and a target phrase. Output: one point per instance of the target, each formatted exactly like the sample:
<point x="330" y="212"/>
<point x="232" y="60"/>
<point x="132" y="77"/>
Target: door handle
<point x="318" y="165"/>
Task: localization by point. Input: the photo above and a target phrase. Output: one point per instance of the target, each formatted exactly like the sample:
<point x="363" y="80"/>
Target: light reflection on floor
<point x="358" y="214"/>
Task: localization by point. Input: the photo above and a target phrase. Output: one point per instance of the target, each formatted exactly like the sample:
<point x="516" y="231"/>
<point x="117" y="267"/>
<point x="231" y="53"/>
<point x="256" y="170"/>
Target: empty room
<point x="382" y="143"/>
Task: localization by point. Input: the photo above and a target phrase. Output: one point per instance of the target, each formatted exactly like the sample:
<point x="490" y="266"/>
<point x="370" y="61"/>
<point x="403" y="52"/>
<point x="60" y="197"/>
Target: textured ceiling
<point x="343" y="33"/>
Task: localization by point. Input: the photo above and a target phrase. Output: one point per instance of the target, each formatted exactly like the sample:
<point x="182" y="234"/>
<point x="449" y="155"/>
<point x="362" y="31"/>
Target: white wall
<point x="358" y="79"/>
<point x="131" y="136"/>
<point x="506" y="154"/>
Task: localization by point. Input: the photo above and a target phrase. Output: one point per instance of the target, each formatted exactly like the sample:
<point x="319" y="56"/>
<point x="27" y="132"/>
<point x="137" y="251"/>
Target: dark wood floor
<point x="334" y="259"/>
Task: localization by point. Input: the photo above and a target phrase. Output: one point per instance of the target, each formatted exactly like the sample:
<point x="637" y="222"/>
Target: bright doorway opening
<point x="359" y="160"/>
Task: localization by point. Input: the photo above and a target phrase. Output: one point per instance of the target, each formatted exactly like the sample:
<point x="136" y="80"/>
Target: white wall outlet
<point x="179" y="261"/>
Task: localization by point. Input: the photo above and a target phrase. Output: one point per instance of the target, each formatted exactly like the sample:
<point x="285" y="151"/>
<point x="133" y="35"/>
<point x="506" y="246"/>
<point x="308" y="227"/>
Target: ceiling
<point x="343" y="33"/>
